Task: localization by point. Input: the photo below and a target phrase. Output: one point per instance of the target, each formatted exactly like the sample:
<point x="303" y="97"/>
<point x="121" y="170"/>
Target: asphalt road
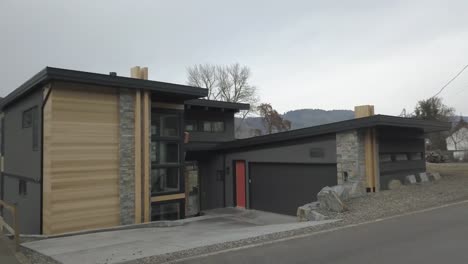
<point x="437" y="236"/>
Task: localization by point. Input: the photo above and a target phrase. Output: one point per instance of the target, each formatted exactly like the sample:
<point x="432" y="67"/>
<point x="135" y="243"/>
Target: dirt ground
<point x="449" y="169"/>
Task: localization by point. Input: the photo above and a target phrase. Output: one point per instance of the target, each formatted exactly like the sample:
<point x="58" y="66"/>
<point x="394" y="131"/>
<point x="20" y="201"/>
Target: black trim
<point x="48" y="74"/>
<point x="217" y="104"/>
<point x="425" y="126"/>
<point x="21" y="177"/>
<point x="44" y="101"/>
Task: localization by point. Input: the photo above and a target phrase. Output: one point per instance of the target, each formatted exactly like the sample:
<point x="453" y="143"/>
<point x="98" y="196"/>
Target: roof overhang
<point x="217" y="104"/>
<point x="181" y="92"/>
<point x="426" y="126"/>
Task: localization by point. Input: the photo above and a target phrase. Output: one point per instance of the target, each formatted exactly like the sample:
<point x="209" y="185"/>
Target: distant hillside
<point x="301" y="118"/>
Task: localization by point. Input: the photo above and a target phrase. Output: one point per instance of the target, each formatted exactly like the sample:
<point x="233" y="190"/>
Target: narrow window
<point x="35" y="129"/>
<point x="191" y="125"/>
<point x="218" y="126"/>
<point x="206" y="126"/>
<point x="31" y="120"/>
<point x="22" y="188"/>
<point x="27" y="118"/>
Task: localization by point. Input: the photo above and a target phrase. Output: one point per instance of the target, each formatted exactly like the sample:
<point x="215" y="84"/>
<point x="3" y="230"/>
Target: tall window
<point x="31" y="120"/>
<point x="166" y="152"/>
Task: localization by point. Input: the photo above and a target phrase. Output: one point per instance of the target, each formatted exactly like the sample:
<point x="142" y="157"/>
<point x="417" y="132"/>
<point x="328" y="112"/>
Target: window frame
<point x="22" y="187"/>
<point x="180" y="202"/>
<point x="194" y="123"/>
<point x="200" y="126"/>
<point x="23" y="119"/>
<point x="179" y="139"/>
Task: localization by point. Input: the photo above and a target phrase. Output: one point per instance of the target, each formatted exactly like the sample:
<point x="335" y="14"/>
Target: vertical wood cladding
<point x="81" y="158"/>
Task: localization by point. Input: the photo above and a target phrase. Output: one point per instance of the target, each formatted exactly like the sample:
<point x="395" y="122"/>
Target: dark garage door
<point x="281" y="188"/>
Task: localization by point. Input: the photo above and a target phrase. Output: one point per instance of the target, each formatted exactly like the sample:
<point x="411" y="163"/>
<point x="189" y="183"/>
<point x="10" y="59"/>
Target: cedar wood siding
<point x="81" y="160"/>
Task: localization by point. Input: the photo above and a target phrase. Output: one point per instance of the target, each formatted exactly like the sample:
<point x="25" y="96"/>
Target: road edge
<point x="318" y="232"/>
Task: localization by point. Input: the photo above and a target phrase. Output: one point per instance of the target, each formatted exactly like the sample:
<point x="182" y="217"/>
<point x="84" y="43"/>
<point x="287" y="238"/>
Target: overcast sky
<point x="303" y="54"/>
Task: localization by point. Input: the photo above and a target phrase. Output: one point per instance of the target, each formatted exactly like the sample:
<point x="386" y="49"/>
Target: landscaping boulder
<point x="410" y="179"/>
<point x="330" y="200"/>
<point x="394" y="184"/>
<point x="423" y="177"/>
<point x="347" y="190"/>
<point x="307" y="213"/>
<point x="434" y="176"/>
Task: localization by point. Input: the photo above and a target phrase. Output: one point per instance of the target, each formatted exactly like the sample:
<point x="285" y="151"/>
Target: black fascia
<point x="217" y="104"/>
<point x="50" y="74"/>
<point x="427" y="126"/>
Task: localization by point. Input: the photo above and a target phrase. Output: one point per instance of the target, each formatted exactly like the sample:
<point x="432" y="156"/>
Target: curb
<point x="315" y="233"/>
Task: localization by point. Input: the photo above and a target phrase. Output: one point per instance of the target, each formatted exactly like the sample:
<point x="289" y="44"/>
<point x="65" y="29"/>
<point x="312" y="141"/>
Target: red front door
<point x="240" y="183"/>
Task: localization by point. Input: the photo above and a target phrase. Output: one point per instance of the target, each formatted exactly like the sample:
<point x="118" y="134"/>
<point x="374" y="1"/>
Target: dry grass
<point x="449" y="169"/>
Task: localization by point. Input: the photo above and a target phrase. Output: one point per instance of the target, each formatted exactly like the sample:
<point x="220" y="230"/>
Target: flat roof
<point x="217" y="104"/>
<point x="49" y="74"/>
<point x="372" y="121"/>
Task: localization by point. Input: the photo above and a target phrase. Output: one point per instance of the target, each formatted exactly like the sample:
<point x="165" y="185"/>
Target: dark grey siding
<point x="211" y="115"/>
<point x="401" y="153"/>
<point x="211" y="175"/>
<point x="22" y="162"/>
<point x="287" y="152"/>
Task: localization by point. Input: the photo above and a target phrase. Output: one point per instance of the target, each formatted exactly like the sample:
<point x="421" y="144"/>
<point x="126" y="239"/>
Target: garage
<point x="282" y="187"/>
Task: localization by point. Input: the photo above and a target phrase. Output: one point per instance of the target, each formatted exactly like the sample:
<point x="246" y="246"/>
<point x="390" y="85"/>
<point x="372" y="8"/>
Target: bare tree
<point x="272" y="120"/>
<point x="230" y="83"/>
<point x="204" y="76"/>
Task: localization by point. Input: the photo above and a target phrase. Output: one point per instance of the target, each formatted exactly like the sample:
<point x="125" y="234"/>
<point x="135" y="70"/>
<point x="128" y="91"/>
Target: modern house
<point x="82" y="150"/>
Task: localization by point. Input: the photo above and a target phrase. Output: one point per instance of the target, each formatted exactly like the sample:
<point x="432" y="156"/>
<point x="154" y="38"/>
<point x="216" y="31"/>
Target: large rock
<point x="410" y="179"/>
<point x="434" y="176"/>
<point x="347" y="190"/>
<point x="307" y="213"/>
<point x="423" y="177"/>
<point x="394" y="184"/>
<point x="329" y="200"/>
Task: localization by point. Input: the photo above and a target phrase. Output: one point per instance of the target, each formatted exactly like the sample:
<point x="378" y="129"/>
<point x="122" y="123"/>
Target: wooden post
<point x="138" y="174"/>
<point x="135" y="72"/>
<point x="17" y="226"/>
<point x="146" y="154"/>
<point x="370" y="152"/>
<point x="144" y="73"/>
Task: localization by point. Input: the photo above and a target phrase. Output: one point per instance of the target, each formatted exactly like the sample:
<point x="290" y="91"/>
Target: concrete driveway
<point x="219" y="226"/>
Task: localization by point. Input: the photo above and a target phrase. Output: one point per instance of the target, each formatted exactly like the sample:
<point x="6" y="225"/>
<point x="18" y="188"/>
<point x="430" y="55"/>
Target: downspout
<point x="224" y="177"/>
<point x="44" y="101"/>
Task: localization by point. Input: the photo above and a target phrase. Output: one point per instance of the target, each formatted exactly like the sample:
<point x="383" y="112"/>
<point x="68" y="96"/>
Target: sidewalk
<point x="155" y="244"/>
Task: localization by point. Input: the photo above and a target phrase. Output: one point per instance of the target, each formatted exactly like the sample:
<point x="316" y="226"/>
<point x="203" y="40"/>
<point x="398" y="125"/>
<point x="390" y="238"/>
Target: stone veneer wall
<point x="350" y="157"/>
<point x="127" y="156"/>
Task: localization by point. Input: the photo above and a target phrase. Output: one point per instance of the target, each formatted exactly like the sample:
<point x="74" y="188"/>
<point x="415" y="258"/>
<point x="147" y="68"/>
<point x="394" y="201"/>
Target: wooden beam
<point x="144" y="73"/>
<point x="138" y="175"/>
<point x="363" y="111"/>
<point x="370" y="158"/>
<point x="135" y="72"/>
<point x="168" y="197"/>
<point x="146" y="154"/>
